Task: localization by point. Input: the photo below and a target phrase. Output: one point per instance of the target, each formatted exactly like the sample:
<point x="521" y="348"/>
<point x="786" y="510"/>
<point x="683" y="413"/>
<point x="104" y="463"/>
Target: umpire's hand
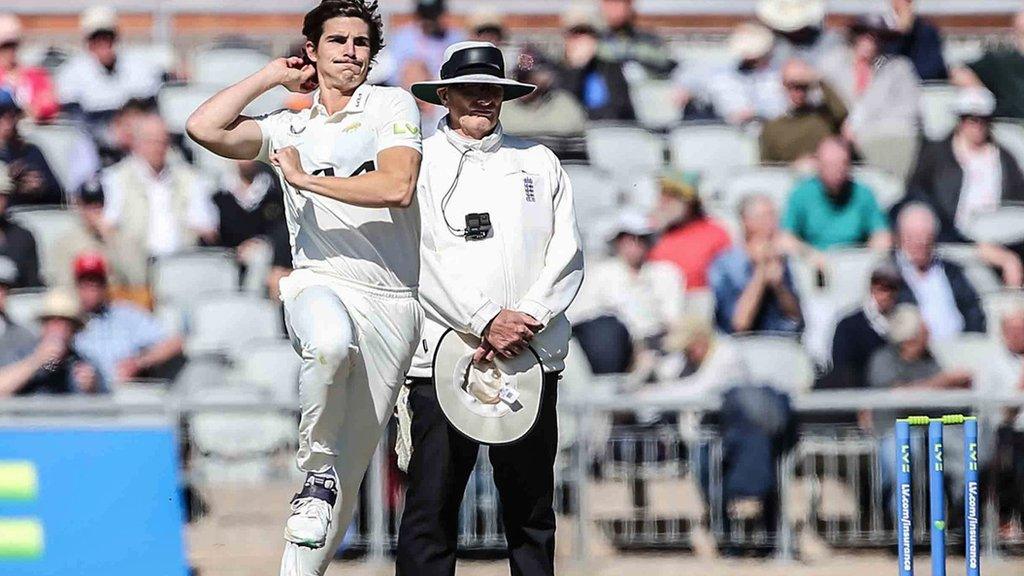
<point x="508" y="334"/>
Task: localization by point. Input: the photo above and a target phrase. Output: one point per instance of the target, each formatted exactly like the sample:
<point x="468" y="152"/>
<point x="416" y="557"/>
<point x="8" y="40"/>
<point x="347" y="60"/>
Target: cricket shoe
<point x="312" y="509"/>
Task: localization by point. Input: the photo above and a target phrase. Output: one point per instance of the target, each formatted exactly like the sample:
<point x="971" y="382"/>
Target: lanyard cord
<point x="458" y="232"/>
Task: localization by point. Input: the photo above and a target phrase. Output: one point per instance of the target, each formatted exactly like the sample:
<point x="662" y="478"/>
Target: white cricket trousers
<point x="356" y="344"/>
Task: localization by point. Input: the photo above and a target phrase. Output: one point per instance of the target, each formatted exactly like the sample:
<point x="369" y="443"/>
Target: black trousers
<point x="442" y="460"/>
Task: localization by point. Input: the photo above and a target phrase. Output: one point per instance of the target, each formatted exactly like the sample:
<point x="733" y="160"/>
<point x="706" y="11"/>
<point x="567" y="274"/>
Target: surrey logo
<point x="528" y="188"/>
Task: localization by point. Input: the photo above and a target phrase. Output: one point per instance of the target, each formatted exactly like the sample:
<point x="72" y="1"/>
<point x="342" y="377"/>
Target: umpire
<point x="500" y="261"/>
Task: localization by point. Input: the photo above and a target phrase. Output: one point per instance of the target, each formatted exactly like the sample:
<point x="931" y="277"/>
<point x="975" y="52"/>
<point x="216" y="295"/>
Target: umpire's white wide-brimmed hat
<point x="492" y="402"/>
<point x="471" y="62"/>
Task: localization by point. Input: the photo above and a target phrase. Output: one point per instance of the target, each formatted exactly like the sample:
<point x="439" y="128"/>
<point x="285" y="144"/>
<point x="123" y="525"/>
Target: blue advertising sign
<point x="90" y="502"/>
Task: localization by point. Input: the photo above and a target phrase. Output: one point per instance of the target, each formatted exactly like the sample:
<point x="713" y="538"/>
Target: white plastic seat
<point x="997" y="304"/>
<point x="982" y="278"/>
<point x="779" y="361"/>
<point x="201" y="374"/>
<point x="972" y="352"/>
<point x="849" y="274"/>
<point x="47" y="225"/>
<point x="182" y="277"/>
<point x="1002" y="226"/>
<point x="272" y="366"/>
<point x="240" y="435"/>
<point x="220" y="322"/>
<point x="225" y="66"/>
<point x="775" y="182"/>
<point x="624" y="151"/>
<point x="655" y="104"/>
<point x="887" y="187"/>
<point x="595" y="197"/>
<point x="938" y="116"/>
<point x="711" y="148"/>
<point x="24" y="305"/>
<point x="59" y="144"/>
<point x="895" y="153"/>
<point x="176" y="102"/>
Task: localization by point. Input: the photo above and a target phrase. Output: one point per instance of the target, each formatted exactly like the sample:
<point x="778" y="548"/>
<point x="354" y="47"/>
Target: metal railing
<point x="636" y="486"/>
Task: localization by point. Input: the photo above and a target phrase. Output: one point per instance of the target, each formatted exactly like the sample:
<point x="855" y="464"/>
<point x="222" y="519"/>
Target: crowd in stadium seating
<point x="690" y="258"/>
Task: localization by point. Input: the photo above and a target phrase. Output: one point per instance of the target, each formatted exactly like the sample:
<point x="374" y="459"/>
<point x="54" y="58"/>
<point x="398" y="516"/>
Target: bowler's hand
<point x="510" y="332"/>
<point x="293" y="73"/>
<point x="287" y="159"/>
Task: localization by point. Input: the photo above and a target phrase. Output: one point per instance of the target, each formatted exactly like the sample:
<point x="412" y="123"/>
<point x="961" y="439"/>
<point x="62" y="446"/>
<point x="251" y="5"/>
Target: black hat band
<point x="477" y="60"/>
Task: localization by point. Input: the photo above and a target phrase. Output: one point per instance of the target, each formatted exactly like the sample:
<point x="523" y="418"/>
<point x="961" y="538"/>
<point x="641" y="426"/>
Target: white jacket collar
<point x="487" y="144"/>
<point x="355" y="104"/>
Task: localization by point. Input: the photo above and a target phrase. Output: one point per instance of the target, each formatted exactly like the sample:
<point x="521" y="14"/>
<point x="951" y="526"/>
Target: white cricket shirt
<point x="376" y="247"/>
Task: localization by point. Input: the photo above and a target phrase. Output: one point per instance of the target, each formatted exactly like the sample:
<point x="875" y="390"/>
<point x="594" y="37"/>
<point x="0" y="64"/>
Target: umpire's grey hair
<point x="913" y="208"/>
<point x="750" y="200"/>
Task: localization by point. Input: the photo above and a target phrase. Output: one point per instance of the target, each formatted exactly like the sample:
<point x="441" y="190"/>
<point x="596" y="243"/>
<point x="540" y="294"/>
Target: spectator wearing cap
<point x="967" y="173"/>
<point x="623" y="42"/>
<point x="751" y="88"/>
<point x="425" y="39"/>
<point x="697" y="359"/>
<point x="156" y="200"/>
<point x="939" y="288"/>
<point x="880" y="90"/>
<point x="34" y="182"/>
<point x="547" y="111"/>
<point x="917" y="39"/>
<point x="644" y="296"/>
<point x="832" y="210"/>
<point x="690" y="239"/>
<point x="124" y="341"/>
<point x="753" y="286"/>
<point x="488" y="26"/>
<point x="860" y="334"/>
<point x="799" y="27"/>
<point x="1001" y="71"/>
<point x="814" y="112"/>
<point x="17" y="243"/>
<point x="90" y="233"/>
<point x="53" y="365"/>
<point x="100" y="80"/>
<point x="32" y="86"/>
<point x="16" y="342"/>
<point x="599" y="84"/>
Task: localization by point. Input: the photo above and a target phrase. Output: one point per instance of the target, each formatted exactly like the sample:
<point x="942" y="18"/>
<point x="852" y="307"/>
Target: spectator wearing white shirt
<point x="751" y="89"/>
<point x="646" y="297"/>
<point x="99" y="81"/>
<point x="158" y="202"/>
<point x="948" y="303"/>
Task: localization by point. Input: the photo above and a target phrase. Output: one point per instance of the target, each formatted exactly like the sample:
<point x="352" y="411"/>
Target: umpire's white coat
<point x="532" y="261"/>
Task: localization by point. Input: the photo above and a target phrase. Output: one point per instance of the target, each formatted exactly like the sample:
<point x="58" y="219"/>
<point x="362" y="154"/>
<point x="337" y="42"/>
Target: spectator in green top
<point x="832" y="210"/>
<point x="1001" y="71"/>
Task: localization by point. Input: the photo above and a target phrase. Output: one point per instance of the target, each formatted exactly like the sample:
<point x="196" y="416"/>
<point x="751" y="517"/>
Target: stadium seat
<point x="222" y="67"/>
<point x="642" y="193"/>
<point x="220" y="322"/>
<point x="773" y="181"/>
<point x="272" y="365"/>
<point x="849" y="273"/>
<point x="1002" y="226"/>
<point x="655" y="104"/>
<point x="624" y="151"/>
<point x="895" y="153"/>
<point x="160" y="55"/>
<point x="997" y="304"/>
<point x="1010" y="135"/>
<point x="60" y="144"/>
<point x="972" y="352"/>
<point x="779" y="361"/>
<point x="960" y="51"/>
<point x="47" y="224"/>
<point x="24" y="305"/>
<point x="184" y="276"/>
<point x="176" y="102"/>
<point x="595" y="197"/>
<point x="938" y="115"/>
<point x="712" y="148"/>
<point x="202" y="373"/>
<point x="982" y="278"/>
<point x="888" y="188"/>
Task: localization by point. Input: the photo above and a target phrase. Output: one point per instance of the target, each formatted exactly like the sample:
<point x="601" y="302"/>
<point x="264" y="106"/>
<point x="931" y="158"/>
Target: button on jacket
<point x="530" y="261"/>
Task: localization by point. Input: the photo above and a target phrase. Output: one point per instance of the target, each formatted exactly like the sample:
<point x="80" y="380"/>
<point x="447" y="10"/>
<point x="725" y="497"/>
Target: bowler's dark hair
<point x="313" y="23"/>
